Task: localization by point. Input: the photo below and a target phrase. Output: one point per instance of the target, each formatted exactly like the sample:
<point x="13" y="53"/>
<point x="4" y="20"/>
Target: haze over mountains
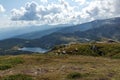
<point x="86" y="32"/>
<point x="74" y="28"/>
<point x="17" y="31"/>
<point x="59" y="39"/>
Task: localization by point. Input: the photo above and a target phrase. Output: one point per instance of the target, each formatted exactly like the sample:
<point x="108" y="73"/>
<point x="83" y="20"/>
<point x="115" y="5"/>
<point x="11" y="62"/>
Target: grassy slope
<point x="85" y="64"/>
<point x="60" y="67"/>
<point x="94" y="49"/>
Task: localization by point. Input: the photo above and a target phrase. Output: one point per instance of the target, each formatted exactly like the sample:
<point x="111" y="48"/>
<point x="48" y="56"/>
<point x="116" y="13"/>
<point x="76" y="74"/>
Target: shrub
<point x="74" y="75"/>
<point x="4" y="67"/>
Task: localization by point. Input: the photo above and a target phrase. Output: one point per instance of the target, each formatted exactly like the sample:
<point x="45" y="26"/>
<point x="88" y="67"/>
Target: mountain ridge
<point x="108" y="28"/>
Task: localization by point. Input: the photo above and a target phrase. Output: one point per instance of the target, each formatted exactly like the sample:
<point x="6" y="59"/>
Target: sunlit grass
<point x="81" y="66"/>
<point x="17" y="77"/>
<point x="10" y="62"/>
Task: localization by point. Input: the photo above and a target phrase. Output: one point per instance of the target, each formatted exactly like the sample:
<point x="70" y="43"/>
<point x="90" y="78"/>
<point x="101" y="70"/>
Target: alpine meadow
<point x="60" y="40"/>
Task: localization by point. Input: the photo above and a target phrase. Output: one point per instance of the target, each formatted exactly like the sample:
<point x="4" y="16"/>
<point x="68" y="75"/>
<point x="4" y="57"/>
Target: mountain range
<point x="86" y="32"/>
<point x="12" y="32"/>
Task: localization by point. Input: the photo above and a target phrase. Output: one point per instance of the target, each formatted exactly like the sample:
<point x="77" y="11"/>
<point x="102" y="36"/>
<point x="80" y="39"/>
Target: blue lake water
<point x="33" y="49"/>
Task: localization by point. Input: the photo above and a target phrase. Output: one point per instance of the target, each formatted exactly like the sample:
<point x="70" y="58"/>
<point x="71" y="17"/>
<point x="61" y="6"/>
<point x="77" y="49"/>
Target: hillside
<point x="15" y="31"/>
<point x="65" y="62"/>
<point x="38" y="34"/>
<point x="9" y="43"/>
<point x="28" y="32"/>
<point x="111" y="50"/>
<point x="108" y="31"/>
<point x="70" y="29"/>
<point x="58" y="67"/>
<point x="99" y="30"/>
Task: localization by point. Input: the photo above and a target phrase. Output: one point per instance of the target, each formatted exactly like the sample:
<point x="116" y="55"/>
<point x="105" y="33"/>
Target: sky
<point x="54" y="12"/>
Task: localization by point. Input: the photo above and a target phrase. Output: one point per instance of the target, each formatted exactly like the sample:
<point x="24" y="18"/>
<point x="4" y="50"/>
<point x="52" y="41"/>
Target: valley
<point x="88" y="51"/>
<point x="59" y="39"/>
<point x="98" y="30"/>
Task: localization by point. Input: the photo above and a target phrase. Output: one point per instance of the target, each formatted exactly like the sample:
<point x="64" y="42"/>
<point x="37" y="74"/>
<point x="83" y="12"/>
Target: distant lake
<point x="33" y="49"/>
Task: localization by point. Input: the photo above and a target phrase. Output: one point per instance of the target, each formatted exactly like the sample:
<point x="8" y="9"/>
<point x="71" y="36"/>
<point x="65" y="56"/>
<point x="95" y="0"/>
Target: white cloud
<point x="100" y="9"/>
<point x="29" y="12"/>
<point x="117" y="7"/>
<point x="81" y="2"/>
<point x="2" y="9"/>
<point x="52" y="13"/>
<point x="44" y="1"/>
<point x="63" y="12"/>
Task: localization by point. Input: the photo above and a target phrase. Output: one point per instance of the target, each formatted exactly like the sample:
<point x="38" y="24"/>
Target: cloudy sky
<point x="41" y="12"/>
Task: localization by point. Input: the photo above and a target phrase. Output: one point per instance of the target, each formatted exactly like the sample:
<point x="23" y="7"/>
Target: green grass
<point x="85" y="64"/>
<point x="59" y="67"/>
<point x="18" y="77"/>
<point x="111" y="50"/>
<point x="7" y="63"/>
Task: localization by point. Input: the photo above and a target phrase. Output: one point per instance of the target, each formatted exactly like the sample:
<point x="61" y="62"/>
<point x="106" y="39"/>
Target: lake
<point x="33" y="49"/>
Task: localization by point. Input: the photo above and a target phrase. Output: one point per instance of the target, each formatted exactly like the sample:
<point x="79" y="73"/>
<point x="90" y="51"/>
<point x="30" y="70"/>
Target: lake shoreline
<point x="33" y="49"/>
